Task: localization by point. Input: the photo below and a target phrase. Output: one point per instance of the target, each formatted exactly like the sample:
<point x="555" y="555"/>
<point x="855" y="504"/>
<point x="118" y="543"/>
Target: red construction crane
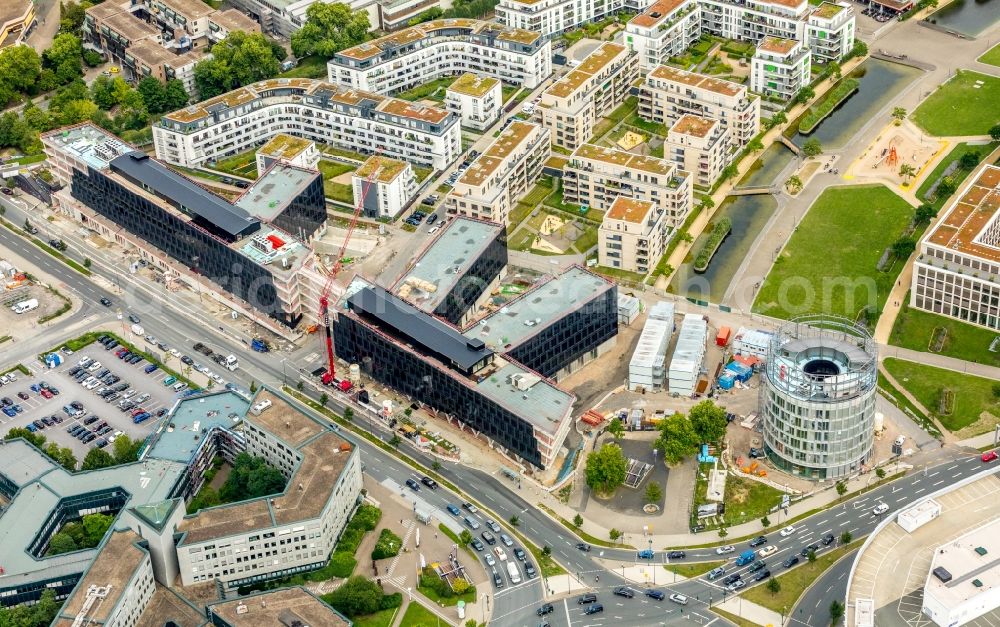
<point x="324" y="298"/>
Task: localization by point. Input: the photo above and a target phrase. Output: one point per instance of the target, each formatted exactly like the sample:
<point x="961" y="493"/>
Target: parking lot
<point x="148" y="386"/>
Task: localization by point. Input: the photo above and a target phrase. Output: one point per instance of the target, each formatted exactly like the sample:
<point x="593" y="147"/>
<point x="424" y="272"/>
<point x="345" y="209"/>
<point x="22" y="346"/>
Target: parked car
<point x="677" y="555"/>
<point x="413" y="485"/>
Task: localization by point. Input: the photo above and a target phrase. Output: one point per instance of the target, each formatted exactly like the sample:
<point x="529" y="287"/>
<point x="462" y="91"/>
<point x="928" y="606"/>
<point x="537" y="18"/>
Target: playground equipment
<point x="888" y="155"/>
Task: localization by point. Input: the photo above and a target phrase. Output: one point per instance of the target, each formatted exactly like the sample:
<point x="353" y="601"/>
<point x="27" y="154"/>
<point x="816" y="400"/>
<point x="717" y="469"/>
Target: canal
<point x="878" y="83"/>
<point x="969" y="17"/>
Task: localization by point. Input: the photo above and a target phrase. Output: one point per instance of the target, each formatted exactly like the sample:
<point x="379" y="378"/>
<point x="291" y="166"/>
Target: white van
<point x="515" y="574"/>
<point x="25" y="306"/>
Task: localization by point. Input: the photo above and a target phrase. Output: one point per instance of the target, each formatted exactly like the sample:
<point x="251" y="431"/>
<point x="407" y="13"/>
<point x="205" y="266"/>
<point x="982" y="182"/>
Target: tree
<point x="707" y="203"/>
<point x="836" y="611"/>
<point x="709" y="421"/>
<point x="34" y="438"/>
<point x="432" y="13"/>
<point x="97" y="458"/>
<point x="20" y="67"/>
<point x="841" y="487"/>
<point x="330" y="28"/>
<point x="904" y="247"/>
<point x="64" y="57"/>
<point x="61" y="543"/>
<point x="514" y="520"/>
<point x="616" y="428"/>
<point x="465" y="537"/>
<point x="794" y="183"/>
<point x="898" y="114"/>
<point x="324" y="399"/>
<point x="436" y="466"/>
<point x="946" y="187"/>
<point x="811" y="556"/>
<point x="773" y="586"/>
<point x="62" y="455"/>
<point x="653" y="492"/>
<point x="395" y="441"/>
<point x="356" y="597"/>
<point x="348" y="414"/>
<point x="860" y="48"/>
<point x="880" y="473"/>
<point x="755" y="145"/>
<point x="906" y="171"/>
<point x="175" y="95"/>
<point x="206" y="497"/>
<point x="251" y="477"/>
<point x="546" y="551"/>
<point x="253" y="388"/>
<point x="578" y="521"/>
<point x="924" y="214"/>
<point x="71" y="15"/>
<point x="103" y="92"/>
<point x="969" y="160"/>
<point x="833" y="68"/>
<point x="723" y="532"/>
<point x="995" y="132"/>
<point x="845" y="538"/>
<point x="677" y="438"/>
<point x="775" y="120"/>
<point x="239" y="59"/>
<point x="95" y="526"/>
<point x="765" y="522"/>
<point x="606" y="468"/>
<point x="154" y="95"/>
<point x="812" y="147"/>
<point x="614" y="534"/>
<point x="126" y="449"/>
<point x="805" y="94"/>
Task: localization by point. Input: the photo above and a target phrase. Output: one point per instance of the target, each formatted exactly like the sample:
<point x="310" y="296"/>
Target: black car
<point x="758" y="541"/>
<point x="187" y="360"/>
<point x="677" y="555"/>
<point x="431" y="219"/>
<point x="624" y="591"/>
<point x="497" y="579"/>
<point x="476" y="544"/>
<point x="596" y="608"/>
<point x="655" y="594"/>
<point x="413" y="485"/>
<point x="762" y="575"/>
<point x="519" y="553"/>
<point x="755" y="566"/>
<point x="545" y="609"/>
<point x="105" y="301"/>
<point x="731" y="579"/>
<point x="489" y="538"/>
<point x="583" y="547"/>
<point x="828" y="539"/>
<point x="587" y="598"/>
<point x="757" y="453"/>
<point x="112" y="344"/>
<point x="791" y="561"/>
<point x="134" y="319"/>
<point x="806" y="550"/>
<point x="430" y="483"/>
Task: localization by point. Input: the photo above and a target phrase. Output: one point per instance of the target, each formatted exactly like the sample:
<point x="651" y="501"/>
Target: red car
<point x="989" y="456"/>
<point x="46" y="394"/>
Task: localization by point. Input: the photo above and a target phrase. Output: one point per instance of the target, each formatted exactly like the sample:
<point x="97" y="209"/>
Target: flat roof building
<point x="17" y="17"/>
<point x="964" y="578"/>
<point x="700" y="146"/>
<point x="391" y="185"/>
<point x="780" y="67"/>
<point x="455" y="273"/>
<point x="957" y="271"/>
<point x="339" y="116"/>
<point x="477" y="100"/>
<point x="285" y="148"/>
<point x="424" y="52"/>
<point x="288" y="606"/>
<point x="633" y="235"/>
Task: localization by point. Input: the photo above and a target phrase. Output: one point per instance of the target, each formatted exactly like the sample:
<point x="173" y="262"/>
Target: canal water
<point x="878" y="83"/>
<point x="749" y="214"/>
<point x="764" y="170"/>
<point x="969" y="17"/>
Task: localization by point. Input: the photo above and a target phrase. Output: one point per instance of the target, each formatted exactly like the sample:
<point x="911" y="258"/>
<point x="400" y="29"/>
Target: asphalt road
<point x="515" y="605"/>
<point x="813" y="608"/>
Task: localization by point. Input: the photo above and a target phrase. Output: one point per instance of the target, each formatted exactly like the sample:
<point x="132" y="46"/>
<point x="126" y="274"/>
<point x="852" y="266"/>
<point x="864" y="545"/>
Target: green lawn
<point x="517" y="215"/>
<point x="433" y="90"/>
<point x="308" y="67"/>
<point x="859" y="223"/>
<point x="748" y="500"/>
<point x="795" y="582"/>
<point x="418" y="616"/>
<point x="915" y="329"/>
<point x="538" y="193"/>
<point x="508" y="91"/>
<point x="378" y="619"/>
<point x="337" y="191"/>
<point x="970" y="395"/>
<point x="992" y="56"/>
<point x="957" y="176"/>
<point x="695" y="569"/>
<point x="895" y="396"/>
<point x="960" y="108"/>
<point x="243" y="164"/>
<point x="587" y="239"/>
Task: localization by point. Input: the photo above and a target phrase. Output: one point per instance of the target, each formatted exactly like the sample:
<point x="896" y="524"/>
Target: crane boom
<point x="324" y="298"/>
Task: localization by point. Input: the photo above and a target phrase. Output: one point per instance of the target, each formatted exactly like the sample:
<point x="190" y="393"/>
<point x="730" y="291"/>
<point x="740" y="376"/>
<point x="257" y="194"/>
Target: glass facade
<point x="476" y="280"/>
<point x="305" y="213"/>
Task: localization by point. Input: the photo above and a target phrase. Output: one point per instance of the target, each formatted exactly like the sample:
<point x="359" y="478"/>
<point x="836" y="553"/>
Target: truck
<point x="515" y="574"/>
<point x="25" y="306"/>
<point x="746" y="557"/>
<point x="231" y="363"/>
<point x="422" y="516"/>
<point x="204" y="350"/>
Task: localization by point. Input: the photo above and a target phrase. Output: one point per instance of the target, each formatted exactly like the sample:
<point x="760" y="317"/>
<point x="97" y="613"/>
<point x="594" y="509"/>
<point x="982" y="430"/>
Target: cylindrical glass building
<point x="817" y="397"/>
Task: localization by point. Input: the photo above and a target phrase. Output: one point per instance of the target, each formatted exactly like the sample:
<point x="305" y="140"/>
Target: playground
<point x="895" y="148"/>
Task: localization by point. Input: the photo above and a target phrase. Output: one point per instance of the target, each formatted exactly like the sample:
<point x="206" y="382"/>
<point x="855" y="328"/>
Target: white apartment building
<point x="596" y="176"/>
<point x="346" y="118"/>
<point x="780" y="67"/>
<point x="633" y="235"/>
<point x="957" y="272"/>
<point x="700" y="146"/>
<point x="667" y="27"/>
<point x="553" y="17"/>
<point x="285" y="148"/>
<point x="500" y="176"/>
<point x="393" y="185"/>
<point x="571" y="106"/>
<point x="477" y="100"/>
<point x="394" y="15"/>
<point x="667" y="93"/>
<point x="428" y="51"/>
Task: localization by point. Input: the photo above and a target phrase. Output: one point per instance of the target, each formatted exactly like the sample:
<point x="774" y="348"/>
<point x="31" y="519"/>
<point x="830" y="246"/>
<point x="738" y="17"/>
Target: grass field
<point x="992" y="56"/>
<point x="971" y="395"/>
<point x="337" y="191"/>
<point x="243" y="164"/>
<point x="433" y="90"/>
<point x="960" y="108"/>
<point x="957" y="176"/>
<point x="378" y="619"/>
<point x="863" y="221"/>
<point x="915" y="329"/>
<point x="692" y="570"/>
<point x="795" y="582"/>
<point x="897" y="398"/>
<point x="418" y="616"/>
<point x="308" y="67"/>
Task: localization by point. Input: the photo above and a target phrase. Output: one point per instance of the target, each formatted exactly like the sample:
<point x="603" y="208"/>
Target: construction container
<point x="722" y="339"/>
<point x="727" y="380"/>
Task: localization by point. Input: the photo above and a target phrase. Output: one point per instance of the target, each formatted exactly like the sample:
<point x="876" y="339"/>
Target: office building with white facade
<point x="963" y="578"/>
<point x="553" y="17"/>
<point x="817" y="398"/>
<point x="700" y="146"/>
<point x="780" y="67"/>
<point x="476" y="100"/>
<point x="957" y="271"/>
<point x="500" y="176"/>
<point x="391" y="185"/>
<point x="596" y="176"/>
<point x="571" y="107"/>
<point x="422" y="53"/>
<point x="668" y="93"/>
<point x="632" y="235"/>
<point x="338" y="116"/>
<point x="288" y="149"/>
<point x="667" y="28"/>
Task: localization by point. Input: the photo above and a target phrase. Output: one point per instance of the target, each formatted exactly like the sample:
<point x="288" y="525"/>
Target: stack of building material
<point x="752" y="342"/>
<point x="689" y="355"/>
<point x="646" y="369"/>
